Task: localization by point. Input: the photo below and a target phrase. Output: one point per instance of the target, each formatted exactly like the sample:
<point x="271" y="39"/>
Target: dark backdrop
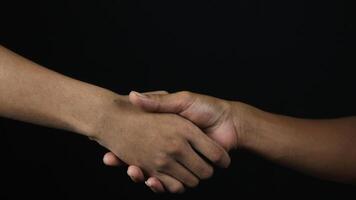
<point x="292" y="57"/>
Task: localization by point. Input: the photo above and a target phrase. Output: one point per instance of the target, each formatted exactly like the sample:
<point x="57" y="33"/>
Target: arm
<point x="322" y="148"/>
<point x="31" y="93"/>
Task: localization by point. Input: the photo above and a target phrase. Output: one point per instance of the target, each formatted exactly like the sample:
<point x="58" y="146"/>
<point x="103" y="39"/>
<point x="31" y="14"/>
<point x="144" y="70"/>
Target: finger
<point x="182" y="174"/>
<point x="171" y="184"/>
<point x="155" y="185"/>
<point x="208" y="148"/>
<point x="135" y="173"/>
<point x="192" y="161"/>
<point x="172" y="103"/>
<point x="157" y="92"/>
<point x="110" y="159"/>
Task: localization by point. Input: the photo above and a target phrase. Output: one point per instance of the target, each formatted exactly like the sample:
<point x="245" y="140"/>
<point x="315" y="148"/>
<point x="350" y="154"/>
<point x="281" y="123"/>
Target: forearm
<point x="322" y="148"/>
<point x="31" y="93"/>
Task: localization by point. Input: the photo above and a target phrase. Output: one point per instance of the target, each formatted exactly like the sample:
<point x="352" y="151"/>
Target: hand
<point x="162" y="145"/>
<point x="214" y="116"/>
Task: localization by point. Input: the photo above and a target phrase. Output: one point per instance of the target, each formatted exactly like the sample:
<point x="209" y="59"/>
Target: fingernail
<point x="140" y="95"/>
<point x="148" y="183"/>
<point x="130" y="175"/>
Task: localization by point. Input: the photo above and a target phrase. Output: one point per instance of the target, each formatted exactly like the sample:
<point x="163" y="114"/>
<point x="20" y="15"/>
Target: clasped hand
<point x="163" y="134"/>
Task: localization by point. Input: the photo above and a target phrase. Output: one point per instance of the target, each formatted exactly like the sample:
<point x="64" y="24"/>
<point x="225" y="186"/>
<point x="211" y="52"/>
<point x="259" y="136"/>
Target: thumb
<point x="169" y="103"/>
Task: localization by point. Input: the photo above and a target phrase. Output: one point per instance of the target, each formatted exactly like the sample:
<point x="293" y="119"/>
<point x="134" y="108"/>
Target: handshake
<point x="175" y="139"/>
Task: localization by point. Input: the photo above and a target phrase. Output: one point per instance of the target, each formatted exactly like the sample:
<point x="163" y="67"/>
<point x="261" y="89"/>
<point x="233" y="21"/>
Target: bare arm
<point x="35" y="94"/>
<point x="323" y="148"/>
<point x="31" y="93"/>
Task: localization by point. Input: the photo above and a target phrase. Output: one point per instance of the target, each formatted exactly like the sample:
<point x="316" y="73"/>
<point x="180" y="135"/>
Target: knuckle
<point x="162" y="162"/>
<point x="183" y="100"/>
<point x="175" y="148"/>
<point x="185" y="94"/>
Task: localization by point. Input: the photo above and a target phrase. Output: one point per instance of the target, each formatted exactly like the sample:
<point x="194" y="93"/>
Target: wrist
<point x="259" y="131"/>
<point x="93" y="111"/>
<point x="111" y="105"/>
<point x="246" y="121"/>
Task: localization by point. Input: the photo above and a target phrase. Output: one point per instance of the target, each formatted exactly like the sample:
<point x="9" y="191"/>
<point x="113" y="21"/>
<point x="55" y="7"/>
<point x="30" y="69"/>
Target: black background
<point x="291" y="57"/>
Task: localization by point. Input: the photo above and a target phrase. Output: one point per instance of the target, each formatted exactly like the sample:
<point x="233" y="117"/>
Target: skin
<point x="321" y="148"/>
<point x="162" y="145"/>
